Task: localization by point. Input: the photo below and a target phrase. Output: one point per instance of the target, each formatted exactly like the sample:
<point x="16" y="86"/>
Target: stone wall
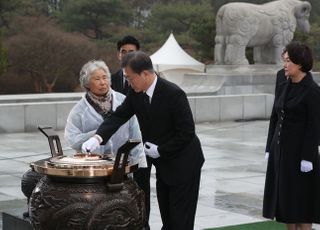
<point x="23" y="113"/>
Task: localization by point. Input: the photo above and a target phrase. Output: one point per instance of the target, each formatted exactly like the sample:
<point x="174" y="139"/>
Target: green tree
<point x="3" y="56"/>
<point x="172" y="17"/>
<point x="7" y="10"/>
<point x="312" y="40"/>
<point x="315" y="12"/>
<point x="93" y="17"/>
<point x="203" y="31"/>
<point x="140" y="9"/>
<point x="192" y="24"/>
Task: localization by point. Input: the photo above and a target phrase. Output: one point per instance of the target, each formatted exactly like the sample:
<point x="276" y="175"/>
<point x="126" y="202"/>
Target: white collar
<point x="150" y="90"/>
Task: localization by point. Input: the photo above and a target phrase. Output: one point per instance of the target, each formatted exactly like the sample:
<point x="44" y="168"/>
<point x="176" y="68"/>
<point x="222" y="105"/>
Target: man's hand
<point x="151" y="150"/>
<point x="266" y="156"/>
<point x="91" y="144"/>
<point x="306" y="166"/>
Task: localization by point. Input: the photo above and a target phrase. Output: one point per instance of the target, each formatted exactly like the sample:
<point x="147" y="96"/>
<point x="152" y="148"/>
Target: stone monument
<point x="268" y="28"/>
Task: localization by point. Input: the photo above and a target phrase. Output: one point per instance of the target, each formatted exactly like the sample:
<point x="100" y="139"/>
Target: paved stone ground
<point x="232" y="180"/>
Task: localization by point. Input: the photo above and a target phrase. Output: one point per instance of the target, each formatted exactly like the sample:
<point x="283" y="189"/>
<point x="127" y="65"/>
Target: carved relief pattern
<point x="55" y="205"/>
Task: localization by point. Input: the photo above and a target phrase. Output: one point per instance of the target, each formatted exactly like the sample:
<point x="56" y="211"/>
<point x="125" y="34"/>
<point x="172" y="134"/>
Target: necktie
<point x="125" y="85"/>
<point x="146" y="101"/>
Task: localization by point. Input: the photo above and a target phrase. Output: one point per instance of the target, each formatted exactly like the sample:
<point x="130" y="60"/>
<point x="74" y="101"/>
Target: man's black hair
<point x="128" y="40"/>
<point x="138" y="61"/>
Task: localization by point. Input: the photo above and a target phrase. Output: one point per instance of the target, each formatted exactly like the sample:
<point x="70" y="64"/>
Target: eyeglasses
<point x="123" y="51"/>
<point x="130" y="78"/>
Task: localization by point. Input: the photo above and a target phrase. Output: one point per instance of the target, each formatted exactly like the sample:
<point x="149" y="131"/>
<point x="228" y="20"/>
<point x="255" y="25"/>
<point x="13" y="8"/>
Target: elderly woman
<point x="292" y="186"/>
<point x="99" y="101"/>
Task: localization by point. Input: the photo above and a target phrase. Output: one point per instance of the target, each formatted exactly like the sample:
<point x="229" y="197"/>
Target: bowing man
<point x="169" y="137"/>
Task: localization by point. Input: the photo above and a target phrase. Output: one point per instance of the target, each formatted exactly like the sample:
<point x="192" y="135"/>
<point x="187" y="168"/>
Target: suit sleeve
<point x="272" y="126"/>
<point x="183" y="125"/>
<point x="273" y="117"/>
<point x="112" y="123"/>
<point x="137" y="154"/>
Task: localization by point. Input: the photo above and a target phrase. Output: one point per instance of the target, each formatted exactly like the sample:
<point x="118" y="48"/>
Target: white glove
<point x="91" y="144"/>
<point x="266" y="156"/>
<point x="306" y="166"/>
<point x="151" y="150"/>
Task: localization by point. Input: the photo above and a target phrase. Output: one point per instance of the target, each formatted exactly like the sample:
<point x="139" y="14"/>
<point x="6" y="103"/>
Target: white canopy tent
<point x="171" y="57"/>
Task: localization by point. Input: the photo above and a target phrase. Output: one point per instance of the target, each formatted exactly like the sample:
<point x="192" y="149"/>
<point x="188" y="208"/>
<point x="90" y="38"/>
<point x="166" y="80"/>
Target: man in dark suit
<point x="125" y="45"/>
<point x="168" y="133"/>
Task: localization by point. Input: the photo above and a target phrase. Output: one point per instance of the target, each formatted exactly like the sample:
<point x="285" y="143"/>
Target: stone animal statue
<point x="268" y="28"/>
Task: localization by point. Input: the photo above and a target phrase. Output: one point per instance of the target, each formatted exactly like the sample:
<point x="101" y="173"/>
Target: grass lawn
<point x="265" y="225"/>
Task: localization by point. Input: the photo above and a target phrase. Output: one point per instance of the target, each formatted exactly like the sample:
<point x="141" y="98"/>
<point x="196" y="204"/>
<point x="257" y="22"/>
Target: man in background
<point x="125" y="45"/>
<point x="119" y="83"/>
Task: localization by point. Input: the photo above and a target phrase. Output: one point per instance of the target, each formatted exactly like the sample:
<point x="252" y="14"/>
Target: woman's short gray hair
<point x="89" y="68"/>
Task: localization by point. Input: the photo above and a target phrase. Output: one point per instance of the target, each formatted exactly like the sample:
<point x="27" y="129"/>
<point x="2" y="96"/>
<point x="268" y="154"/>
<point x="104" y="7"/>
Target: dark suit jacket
<point x="169" y="124"/>
<point x="118" y="83"/>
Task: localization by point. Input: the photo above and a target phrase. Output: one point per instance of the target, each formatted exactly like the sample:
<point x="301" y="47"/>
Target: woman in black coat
<point x="292" y="186"/>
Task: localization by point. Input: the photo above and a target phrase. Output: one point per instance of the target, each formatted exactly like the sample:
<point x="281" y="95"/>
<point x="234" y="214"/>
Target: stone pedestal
<point x="248" y="79"/>
<point x="15" y="220"/>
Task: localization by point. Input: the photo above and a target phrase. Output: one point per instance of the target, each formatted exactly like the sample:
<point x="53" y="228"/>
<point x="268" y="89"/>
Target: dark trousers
<point x="142" y="177"/>
<point x="178" y="203"/>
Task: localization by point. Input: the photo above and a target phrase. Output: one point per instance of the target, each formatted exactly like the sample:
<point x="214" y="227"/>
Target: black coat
<point x="169" y="124"/>
<point x="281" y="77"/>
<point x="118" y="83"/>
<point x="292" y="196"/>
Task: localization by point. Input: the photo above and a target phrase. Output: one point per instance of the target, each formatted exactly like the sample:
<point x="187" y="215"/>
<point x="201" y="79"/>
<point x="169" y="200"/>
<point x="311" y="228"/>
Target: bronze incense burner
<point x="84" y="191"/>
